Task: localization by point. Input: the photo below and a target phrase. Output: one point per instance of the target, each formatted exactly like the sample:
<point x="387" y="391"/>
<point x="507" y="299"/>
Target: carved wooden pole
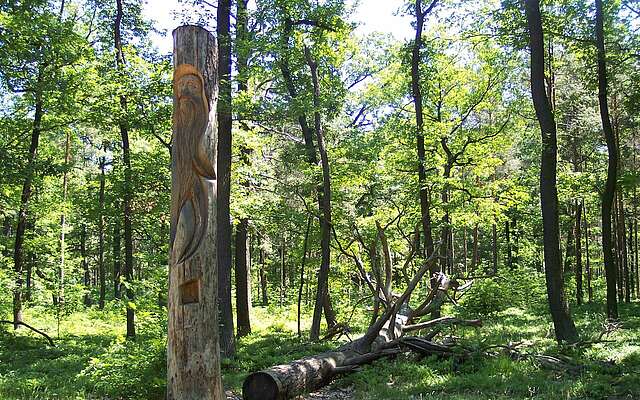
<point x="193" y="363"/>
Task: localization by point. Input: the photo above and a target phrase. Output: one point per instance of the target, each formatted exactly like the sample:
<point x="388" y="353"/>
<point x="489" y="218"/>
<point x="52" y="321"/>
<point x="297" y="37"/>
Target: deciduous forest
<point x="287" y="206"/>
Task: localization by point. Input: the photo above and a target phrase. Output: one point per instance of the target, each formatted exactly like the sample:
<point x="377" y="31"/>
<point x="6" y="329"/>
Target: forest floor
<point x="92" y="360"/>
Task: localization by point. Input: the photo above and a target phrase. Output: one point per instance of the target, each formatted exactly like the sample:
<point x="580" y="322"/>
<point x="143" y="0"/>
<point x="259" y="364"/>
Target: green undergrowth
<point x="93" y="360"/>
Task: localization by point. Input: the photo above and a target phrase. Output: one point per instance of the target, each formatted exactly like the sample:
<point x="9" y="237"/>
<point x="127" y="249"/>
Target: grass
<point x="92" y="359"/>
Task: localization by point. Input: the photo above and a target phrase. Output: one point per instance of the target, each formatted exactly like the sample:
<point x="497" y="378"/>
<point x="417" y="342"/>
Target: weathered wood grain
<point x="193" y="364"/>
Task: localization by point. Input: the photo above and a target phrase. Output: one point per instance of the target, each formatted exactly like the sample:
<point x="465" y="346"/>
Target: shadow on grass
<point x="31" y="369"/>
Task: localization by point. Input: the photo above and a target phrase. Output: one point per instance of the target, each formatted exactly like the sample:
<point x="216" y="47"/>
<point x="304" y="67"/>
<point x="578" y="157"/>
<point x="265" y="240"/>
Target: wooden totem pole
<point x="193" y="364"/>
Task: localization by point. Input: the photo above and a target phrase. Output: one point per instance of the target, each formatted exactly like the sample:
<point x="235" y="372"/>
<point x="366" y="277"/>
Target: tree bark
<point x="243" y="279"/>
<point x="612" y="169"/>
<point x="622" y="250"/>
<point x="116" y="258"/>
<point x="101" y="268"/>
<point x="416" y="92"/>
<point x="23" y="213"/>
<point x="474" y="262"/>
<point x="507" y="234"/>
<point x="243" y="256"/>
<point x="85" y="265"/>
<point x="586" y="250"/>
<point x="63" y="218"/>
<point x="193" y="352"/>
<point x="305" y="245"/>
<point x="227" y="341"/>
<point x="565" y="330"/>
<point x="578" y="252"/>
<point x="263" y="277"/>
<point x="322" y="294"/>
<point x="128" y="176"/>
<point x="494" y="248"/>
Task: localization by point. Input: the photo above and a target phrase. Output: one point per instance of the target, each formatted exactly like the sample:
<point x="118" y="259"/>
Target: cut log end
<point x="262" y="386"/>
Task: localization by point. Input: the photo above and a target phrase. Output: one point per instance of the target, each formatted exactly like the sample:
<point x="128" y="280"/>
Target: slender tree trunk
<point x="322" y="294"/>
<point x="85" y="265"/>
<point x="23" y="213"/>
<point x="29" y="281"/>
<point x="263" y="280"/>
<point x="116" y="258"/>
<point x="631" y="289"/>
<point x="474" y="261"/>
<point x="635" y="239"/>
<point x="243" y="257"/>
<point x="305" y="245"/>
<point x="101" y="268"/>
<point x="578" y="252"/>
<point x="586" y="250"/>
<point x="312" y="159"/>
<point x="63" y="218"/>
<point x="423" y="191"/>
<point x="494" y="248"/>
<point x="612" y="170"/>
<point x="227" y="341"/>
<point x="193" y="352"/>
<point x="622" y="248"/>
<point x="564" y="328"/>
<point x="569" y="251"/>
<point x="243" y="280"/>
<point x="507" y="234"/>
<point x="616" y="248"/>
<point x="128" y="176"/>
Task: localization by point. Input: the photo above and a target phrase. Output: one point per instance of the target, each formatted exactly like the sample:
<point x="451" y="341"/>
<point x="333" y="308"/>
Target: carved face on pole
<point x="191" y="164"/>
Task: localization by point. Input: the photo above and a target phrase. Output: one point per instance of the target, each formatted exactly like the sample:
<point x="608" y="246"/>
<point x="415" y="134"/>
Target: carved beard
<point x="191" y="167"/>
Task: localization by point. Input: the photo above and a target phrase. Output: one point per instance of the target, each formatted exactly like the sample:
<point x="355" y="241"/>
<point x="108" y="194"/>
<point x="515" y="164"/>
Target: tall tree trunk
<point x="494" y="248"/>
<point x="322" y="294"/>
<point x="586" y="250"/>
<point x="305" y="245"/>
<point x="63" y="218"/>
<point x="507" y="234"/>
<point x="85" y="265"/>
<point x="312" y="159"/>
<point x="612" y="170"/>
<point x="18" y="253"/>
<point x="128" y="191"/>
<point x="193" y="352"/>
<point x="243" y="256"/>
<point x="569" y="251"/>
<point x="101" y="268"/>
<point x="227" y="341"/>
<point x="578" y="251"/>
<point x="116" y="258"/>
<point x="565" y="330"/>
<point x="622" y="249"/>
<point x="243" y="279"/>
<point x="263" y="277"/>
<point x="416" y="92"/>
<point x="475" y="259"/>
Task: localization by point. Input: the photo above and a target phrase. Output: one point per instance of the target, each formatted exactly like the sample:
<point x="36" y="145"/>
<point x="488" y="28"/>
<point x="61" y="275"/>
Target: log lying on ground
<point x="383" y="339"/>
<point x="32" y="328"/>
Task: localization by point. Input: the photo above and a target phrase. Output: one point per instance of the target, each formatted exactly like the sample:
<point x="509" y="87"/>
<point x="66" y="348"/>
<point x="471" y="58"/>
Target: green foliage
<point x="513" y="288"/>
<point x="129" y="369"/>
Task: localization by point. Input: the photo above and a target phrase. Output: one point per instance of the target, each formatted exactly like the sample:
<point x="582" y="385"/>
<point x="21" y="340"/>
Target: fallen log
<point x="305" y="375"/>
<point x="382" y="339"/>
<point x="30" y="327"/>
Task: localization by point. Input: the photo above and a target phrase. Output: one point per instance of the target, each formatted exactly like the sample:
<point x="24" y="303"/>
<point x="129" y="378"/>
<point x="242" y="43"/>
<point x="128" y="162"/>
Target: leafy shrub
<point x="485" y="297"/>
<point x="130" y="369"/>
<point x="520" y="287"/>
